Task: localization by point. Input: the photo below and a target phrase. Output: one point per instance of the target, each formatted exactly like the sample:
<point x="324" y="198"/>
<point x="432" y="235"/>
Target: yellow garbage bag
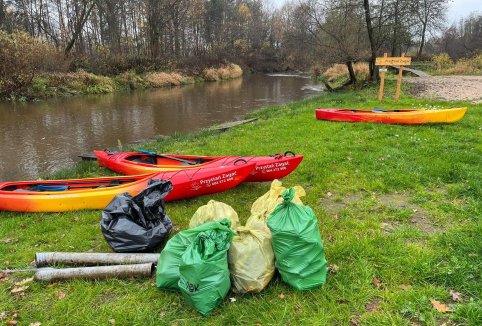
<point x="251" y="260"/>
<point x="264" y="205"/>
<point x="213" y="211"/>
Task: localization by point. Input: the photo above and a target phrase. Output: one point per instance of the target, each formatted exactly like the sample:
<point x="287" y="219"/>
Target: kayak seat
<point x="145" y="160"/>
<point x="51" y="188"/>
<point x="113" y="183"/>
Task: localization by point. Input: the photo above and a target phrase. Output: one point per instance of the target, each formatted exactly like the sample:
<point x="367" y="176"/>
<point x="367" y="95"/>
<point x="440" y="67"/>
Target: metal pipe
<point x="74" y="258"/>
<point x="94" y="273"/>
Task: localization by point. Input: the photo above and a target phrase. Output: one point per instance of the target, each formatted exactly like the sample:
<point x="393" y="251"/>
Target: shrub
<point x="476" y="62"/>
<point x="81" y="82"/>
<point x="22" y="57"/>
<point x="222" y="73"/>
<point x="442" y="61"/>
<point x="131" y="80"/>
<point x="162" y="79"/>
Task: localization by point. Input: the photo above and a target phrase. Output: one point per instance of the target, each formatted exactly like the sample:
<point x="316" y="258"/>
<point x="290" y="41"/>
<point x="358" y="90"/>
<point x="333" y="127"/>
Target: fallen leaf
<point x="329" y="194"/>
<point x="21" y="295"/>
<point x="335" y="217"/>
<point x="332" y="268"/>
<point x="24" y="281"/>
<point x="331" y="238"/>
<point x="60" y="295"/>
<point x="298" y="310"/>
<point x="35" y="324"/>
<point x="377" y="282"/>
<point x="52" y="284"/>
<point x="405" y="286"/>
<point x="11" y="322"/>
<point x="281" y="296"/>
<point x="456" y="296"/>
<point x="175" y="228"/>
<point x="4" y="277"/>
<point x="162" y="314"/>
<point x="233" y="299"/>
<point x="373" y="306"/>
<point x="440" y="307"/>
<point x="17" y="289"/>
<point x="387" y="227"/>
<point x="354" y="321"/>
<point x="112" y="321"/>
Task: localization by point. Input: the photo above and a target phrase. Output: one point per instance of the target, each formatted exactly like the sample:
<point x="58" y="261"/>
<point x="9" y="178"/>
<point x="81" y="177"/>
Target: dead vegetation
<point x="230" y="71"/>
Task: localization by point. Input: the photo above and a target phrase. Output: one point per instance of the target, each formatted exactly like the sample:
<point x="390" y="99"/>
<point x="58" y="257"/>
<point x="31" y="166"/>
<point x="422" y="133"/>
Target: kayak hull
<point x="96" y="193"/>
<point x="267" y="168"/>
<point x="392" y="116"/>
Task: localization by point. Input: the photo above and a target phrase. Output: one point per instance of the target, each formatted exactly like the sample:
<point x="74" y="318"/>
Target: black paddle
<point x="168" y="157"/>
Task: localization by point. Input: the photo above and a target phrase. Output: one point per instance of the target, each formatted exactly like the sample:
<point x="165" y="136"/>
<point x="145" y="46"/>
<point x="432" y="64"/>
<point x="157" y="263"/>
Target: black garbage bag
<point x="139" y="223"/>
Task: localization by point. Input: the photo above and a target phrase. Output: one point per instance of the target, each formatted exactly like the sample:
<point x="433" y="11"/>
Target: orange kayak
<point x="96" y="193"/>
<point x="392" y="116"/>
<point x="267" y="168"/>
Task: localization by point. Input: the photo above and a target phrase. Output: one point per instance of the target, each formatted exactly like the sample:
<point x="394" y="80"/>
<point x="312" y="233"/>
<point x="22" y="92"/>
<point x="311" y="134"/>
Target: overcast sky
<point x="457" y="8"/>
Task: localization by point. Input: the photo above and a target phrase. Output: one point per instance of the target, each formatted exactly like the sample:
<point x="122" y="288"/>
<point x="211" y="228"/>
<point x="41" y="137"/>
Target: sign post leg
<point x="382" y="81"/>
<point x="399" y="80"/>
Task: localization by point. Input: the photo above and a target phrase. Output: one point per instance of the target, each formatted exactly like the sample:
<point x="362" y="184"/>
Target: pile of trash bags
<point x="217" y="253"/>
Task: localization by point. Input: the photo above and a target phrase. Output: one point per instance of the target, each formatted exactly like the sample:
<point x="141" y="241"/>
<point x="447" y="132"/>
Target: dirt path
<point x="449" y="88"/>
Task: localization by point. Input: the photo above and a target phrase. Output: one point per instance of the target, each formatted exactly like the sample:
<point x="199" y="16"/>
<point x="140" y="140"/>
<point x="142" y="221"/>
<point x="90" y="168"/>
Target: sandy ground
<point x="449" y="88"/>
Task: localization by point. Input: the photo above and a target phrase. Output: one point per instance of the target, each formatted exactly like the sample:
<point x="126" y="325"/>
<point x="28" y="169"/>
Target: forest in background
<point x="116" y="37"/>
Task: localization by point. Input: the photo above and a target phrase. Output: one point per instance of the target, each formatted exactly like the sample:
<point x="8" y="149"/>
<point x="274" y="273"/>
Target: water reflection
<point x="39" y="138"/>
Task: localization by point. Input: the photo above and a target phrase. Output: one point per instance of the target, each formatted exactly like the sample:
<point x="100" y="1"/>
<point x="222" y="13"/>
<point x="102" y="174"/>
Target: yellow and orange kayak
<point x="96" y="193"/>
<point x="392" y="116"/>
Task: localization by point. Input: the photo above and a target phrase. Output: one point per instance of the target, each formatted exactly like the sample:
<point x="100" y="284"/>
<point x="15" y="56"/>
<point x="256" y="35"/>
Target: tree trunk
<point x="395" y="30"/>
<point x="422" y="40"/>
<point x="152" y="19"/>
<point x="2" y="14"/>
<point x="368" y="19"/>
<point x="78" y="29"/>
<point x="351" y="72"/>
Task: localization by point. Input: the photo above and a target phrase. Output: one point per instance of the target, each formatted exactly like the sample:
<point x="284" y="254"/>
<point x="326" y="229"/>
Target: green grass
<point x="399" y="203"/>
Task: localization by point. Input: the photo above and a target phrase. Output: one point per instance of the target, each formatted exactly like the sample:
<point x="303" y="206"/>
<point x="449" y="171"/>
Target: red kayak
<point x="267" y="168"/>
<point x="96" y="193"/>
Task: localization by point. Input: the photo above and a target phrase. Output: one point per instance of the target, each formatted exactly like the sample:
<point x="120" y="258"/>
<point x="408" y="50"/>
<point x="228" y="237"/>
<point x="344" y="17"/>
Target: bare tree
<point x="430" y="14"/>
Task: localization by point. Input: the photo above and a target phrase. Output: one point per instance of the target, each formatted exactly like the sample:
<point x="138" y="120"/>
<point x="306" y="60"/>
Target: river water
<point x="41" y="137"/>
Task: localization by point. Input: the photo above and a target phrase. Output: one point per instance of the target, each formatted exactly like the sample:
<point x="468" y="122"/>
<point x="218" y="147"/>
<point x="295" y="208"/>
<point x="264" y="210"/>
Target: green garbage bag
<point x="204" y="273"/>
<point x="167" y="274"/>
<point x="297" y="244"/>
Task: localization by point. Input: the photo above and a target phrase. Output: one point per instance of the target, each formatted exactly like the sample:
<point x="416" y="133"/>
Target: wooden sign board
<point x="393" y="61"/>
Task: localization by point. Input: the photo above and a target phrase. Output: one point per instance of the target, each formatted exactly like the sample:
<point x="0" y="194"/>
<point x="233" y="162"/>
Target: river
<point x="39" y="138"/>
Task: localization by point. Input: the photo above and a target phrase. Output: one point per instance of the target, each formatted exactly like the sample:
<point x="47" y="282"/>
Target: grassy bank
<point x="398" y="207"/>
<point x="57" y="84"/>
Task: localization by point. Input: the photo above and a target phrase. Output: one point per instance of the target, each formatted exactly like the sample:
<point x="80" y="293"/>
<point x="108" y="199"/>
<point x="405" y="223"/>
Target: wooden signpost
<point x="391" y="61"/>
